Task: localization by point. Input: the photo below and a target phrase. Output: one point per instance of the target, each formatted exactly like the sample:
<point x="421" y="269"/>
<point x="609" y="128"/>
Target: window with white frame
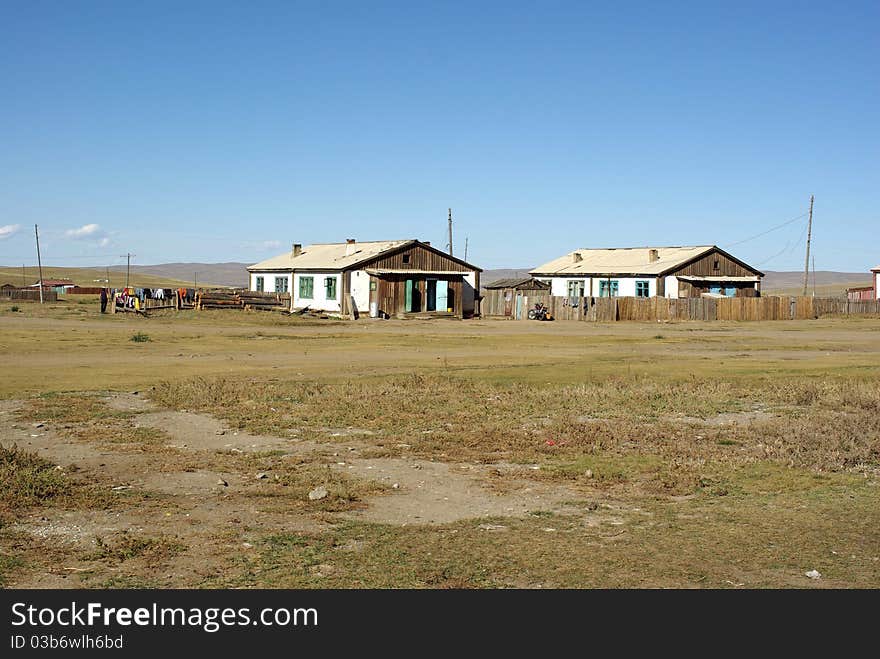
<point x="575" y="289"/>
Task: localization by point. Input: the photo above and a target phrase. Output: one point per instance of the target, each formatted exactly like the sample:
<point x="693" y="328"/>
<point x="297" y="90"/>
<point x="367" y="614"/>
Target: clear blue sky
<point x="226" y="131"/>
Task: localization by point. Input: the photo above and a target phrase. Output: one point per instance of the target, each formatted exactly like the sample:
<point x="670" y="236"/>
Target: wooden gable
<point x="705" y="266"/>
<point x="417" y="256"/>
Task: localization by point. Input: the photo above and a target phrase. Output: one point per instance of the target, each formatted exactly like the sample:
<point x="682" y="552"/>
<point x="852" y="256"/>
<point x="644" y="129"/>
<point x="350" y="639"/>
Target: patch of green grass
<point x="128" y="582"/>
<point x="140" y="337"/>
<point x="127" y="546"/>
<point x="28" y="480"/>
<point x="8" y="565"/>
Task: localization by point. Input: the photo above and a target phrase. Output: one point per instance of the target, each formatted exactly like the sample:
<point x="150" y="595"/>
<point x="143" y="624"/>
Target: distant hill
<point x="235" y="274"/>
<point x="218" y="274"/>
<point x="828" y="284"/>
<point x="87" y="277"/>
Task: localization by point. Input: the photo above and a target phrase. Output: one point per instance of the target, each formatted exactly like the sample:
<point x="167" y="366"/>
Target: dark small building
<point x="505" y="297"/>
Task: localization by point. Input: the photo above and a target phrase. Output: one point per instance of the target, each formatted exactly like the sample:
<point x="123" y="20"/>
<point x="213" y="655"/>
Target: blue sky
<point x="226" y="131"/>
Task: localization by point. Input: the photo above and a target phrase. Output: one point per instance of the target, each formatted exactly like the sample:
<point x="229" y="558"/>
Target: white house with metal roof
<point x="392" y="277"/>
<point x="674" y="272"/>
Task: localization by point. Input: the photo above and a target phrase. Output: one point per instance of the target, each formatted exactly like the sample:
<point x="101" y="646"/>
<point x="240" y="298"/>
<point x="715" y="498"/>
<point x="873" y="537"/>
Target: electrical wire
<point x="764" y="233"/>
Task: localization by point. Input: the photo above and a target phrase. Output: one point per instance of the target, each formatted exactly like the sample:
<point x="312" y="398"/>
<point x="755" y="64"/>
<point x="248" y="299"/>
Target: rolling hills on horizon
<point x="827" y="283"/>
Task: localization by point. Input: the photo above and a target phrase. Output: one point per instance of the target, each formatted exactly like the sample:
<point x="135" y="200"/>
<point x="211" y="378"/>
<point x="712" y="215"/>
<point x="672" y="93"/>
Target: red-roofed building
<point x="60" y="286"/>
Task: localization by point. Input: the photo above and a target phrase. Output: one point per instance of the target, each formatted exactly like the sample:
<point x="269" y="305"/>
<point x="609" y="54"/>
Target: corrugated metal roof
<point x="623" y="260"/>
<point x="513" y="282"/>
<point x="329" y="256"/>
<point x="412" y="271"/>
<point x="718" y="278"/>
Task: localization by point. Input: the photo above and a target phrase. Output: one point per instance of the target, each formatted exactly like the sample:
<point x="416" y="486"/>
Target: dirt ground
<point x="189" y="495"/>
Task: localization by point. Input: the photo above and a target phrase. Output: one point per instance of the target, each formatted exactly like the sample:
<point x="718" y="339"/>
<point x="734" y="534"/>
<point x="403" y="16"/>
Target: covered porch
<point x="409" y="292"/>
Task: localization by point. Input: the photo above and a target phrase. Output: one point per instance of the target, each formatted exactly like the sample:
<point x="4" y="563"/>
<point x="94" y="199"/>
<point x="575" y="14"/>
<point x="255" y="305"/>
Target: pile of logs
<point x="217" y="300"/>
<point x="265" y="301"/>
<point x="243" y="300"/>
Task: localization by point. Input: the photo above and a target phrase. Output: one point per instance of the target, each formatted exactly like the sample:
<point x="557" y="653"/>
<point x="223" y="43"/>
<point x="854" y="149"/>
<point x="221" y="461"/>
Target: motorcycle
<point x="540" y="312"/>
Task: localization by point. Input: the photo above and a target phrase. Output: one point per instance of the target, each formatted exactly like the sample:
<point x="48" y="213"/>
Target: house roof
<point x="514" y="282"/>
<point x="337" y="256"/>
<point x="624" y="260"/>
<point x="731" y="278"/>
<point x="53" y="282"/>
<point x="876" y="268"/>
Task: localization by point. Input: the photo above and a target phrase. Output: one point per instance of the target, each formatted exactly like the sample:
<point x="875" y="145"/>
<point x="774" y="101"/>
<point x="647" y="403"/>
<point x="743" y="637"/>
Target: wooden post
<point x="807" y="259"/>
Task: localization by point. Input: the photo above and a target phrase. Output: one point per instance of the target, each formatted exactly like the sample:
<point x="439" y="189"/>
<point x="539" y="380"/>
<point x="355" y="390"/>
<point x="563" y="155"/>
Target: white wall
<point x="672" y="286"/>
<point x="626" y="286"/>
<point x="559" y="286"/>
<point x="360" y="290"/>
<point x="877" y="285"/>
<point x="318" y="302"/>
<point x="269" y="280"/>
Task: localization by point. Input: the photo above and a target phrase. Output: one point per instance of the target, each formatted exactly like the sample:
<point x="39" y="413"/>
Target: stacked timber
<point x="217" y="300"/>
<point x="243" y="300"/>
<point x="265" y="301"/>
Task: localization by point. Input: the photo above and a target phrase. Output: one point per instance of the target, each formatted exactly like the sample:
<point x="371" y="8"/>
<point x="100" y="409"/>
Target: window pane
<point x="330" y="288"/>
<point x="306" y="287"/>
<point x="260" y="284"/>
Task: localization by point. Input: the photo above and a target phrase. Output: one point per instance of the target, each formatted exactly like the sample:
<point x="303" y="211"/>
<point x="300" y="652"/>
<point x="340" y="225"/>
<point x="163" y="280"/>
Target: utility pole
<point x="39" y="261"/>
<point x="450" y="232"/>
<point x="107" y="277"/>
<point x="196" y="280"/>
<point x="127" y="267"/>
<point x="465" y="247"/>
<point x="807" y="259"/>
<point x="23" y="277"/>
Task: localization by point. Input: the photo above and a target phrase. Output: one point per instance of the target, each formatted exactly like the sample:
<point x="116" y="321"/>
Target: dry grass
<point x="289" y="479"/>
<point x="605" y="433"/>
<point x="126" y="546"/>
<point x="29" y="481"/>
<point x="704" y="455"/>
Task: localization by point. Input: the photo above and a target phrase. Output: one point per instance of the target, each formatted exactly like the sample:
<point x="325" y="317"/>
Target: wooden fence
<point x="27" y="294"/>
<point x="700" y="308"/>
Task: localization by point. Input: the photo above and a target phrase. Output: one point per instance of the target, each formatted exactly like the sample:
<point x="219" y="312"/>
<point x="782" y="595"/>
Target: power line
<point x="764" y="233"/>
<point x="789" y="247"/>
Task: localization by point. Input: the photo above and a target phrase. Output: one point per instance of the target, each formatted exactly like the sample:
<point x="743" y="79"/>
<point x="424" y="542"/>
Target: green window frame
<point x="259" y="284"/>
<point x="330" y="288"/>
<point x="608" y="288"/>
<point x="643" y="289"/>
<point x="307" y="288"/>
<point x="281" y="284"/>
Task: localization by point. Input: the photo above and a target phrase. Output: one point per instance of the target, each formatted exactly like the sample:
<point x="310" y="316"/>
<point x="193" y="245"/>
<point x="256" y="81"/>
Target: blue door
<point x="442" y="296"/>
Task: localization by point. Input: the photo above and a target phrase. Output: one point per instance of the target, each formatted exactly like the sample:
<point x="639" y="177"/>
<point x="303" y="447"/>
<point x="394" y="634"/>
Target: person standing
<point x="103" y="300"/>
